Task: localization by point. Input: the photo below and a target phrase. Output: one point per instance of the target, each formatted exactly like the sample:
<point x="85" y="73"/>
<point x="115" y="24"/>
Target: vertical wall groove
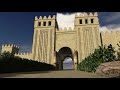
<point x="50" y="46"/>
<point x="34" y="54"/>
<point x="38" y="45"/>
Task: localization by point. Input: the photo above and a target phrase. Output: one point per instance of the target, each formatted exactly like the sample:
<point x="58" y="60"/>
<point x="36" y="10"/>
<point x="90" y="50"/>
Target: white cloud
<point x="68" y="60"/>
<point x="66" y="20"/>
<point x="104" y="29"/>
<point x="109" y="28"/>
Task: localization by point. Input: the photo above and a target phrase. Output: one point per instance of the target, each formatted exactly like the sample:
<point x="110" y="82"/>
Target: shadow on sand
<point x="4" y="75"/>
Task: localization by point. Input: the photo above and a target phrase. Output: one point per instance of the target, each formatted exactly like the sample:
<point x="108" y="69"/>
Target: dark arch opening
<point x="65" y="55"/>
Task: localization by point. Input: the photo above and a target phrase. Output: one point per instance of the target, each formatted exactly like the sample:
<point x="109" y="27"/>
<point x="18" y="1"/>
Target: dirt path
<point x="51" y="74"/>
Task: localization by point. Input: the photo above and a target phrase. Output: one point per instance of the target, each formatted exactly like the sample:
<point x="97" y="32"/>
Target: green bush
<point x="101" y="55"/>
<point x="10" y="63"/>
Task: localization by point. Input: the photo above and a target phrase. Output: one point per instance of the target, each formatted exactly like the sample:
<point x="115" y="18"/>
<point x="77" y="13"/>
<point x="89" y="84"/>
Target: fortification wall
<point x="112" y="37"/>
<point x="24" y="55"/>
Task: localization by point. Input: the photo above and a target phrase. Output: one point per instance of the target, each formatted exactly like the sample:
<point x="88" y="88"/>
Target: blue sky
<point x="17" y="27"/>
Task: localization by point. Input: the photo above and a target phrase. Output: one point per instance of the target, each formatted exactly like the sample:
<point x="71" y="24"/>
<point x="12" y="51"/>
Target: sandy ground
<point x="52" y="74"/>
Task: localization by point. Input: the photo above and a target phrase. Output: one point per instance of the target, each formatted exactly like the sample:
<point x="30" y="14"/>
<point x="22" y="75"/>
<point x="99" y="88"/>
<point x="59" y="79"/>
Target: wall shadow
<point x="5" y="75"/>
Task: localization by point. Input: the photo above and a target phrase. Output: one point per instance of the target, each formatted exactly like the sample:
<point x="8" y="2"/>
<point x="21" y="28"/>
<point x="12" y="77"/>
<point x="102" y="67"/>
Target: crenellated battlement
<point x="86" y="19"/>
<point x="104" y="32"/>
<point x="45" y="17"/>
<point x="65" y="29"/>
<point x="17" y="54"/>
<point x="10" y="48"/>
<point x="109" y="32"/>
<point x="87" y="15"/>
<point x="110" y="37"/>
<point x="10" y="45"/>
<point x="44" y="21"/>
<point x="24" y="55"/>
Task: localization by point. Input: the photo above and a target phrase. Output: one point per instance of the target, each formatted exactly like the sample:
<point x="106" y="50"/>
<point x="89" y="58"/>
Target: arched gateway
<point x="61" y="55"/>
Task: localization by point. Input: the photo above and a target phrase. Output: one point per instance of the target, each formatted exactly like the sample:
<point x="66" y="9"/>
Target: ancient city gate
<point x="52" y="44"/>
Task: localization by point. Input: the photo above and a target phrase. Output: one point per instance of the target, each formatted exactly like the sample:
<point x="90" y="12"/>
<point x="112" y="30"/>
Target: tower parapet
<point x="10" y="48"/>
<point x="44" y="21"/>
<point x="86" y="19"/>
<point x="86" y="15"/>
<point x="45" y="17"/>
